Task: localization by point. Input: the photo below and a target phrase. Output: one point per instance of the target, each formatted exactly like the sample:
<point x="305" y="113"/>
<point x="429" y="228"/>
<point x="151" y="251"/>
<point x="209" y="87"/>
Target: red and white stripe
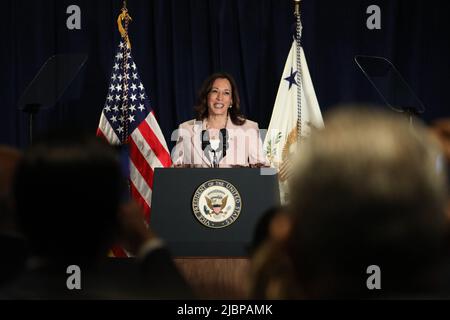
<point x="148" y="150"/>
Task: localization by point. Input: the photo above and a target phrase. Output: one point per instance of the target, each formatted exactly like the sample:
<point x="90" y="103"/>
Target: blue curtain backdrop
<point x="177" y="43"/>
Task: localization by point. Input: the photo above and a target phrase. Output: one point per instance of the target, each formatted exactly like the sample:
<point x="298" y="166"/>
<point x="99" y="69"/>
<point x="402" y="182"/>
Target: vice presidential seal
<point x="216" y="203"/>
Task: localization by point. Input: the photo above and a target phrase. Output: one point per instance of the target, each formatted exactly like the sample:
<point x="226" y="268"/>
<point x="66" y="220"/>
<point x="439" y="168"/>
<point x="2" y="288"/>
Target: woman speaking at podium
<point x="219" y="136"/>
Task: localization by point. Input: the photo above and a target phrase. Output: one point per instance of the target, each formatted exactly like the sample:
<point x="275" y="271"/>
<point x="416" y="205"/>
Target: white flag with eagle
<point x="289" y="112"/>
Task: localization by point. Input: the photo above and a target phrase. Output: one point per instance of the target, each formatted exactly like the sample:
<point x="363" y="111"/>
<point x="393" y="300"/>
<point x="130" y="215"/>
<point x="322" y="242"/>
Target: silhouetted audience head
<point x="9" y="157"/>
<point x="67" y="192"/>
<point x="12" y="244"/>
<point x="265" y="227"/>
<point x="440" y="128"/>
<point x="271" y="273"/>
<point x="369" y="189"/>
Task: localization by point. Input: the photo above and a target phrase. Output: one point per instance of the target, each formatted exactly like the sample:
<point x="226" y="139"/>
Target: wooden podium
<point x="216" y="277"/>
<point x="212" y="257"/>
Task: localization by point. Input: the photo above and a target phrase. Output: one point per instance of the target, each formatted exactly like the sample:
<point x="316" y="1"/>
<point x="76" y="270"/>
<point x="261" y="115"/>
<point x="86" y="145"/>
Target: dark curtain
<point x="176" y="44"/>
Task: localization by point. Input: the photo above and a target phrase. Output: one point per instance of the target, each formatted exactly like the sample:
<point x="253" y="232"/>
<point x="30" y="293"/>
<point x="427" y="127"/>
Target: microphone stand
<point x="215" y="164"/>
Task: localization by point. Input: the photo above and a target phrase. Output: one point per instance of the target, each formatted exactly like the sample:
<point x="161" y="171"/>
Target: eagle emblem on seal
<point x="216" y="204"/>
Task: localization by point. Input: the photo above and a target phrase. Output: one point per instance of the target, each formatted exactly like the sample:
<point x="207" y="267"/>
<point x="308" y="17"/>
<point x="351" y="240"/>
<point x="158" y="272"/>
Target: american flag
<point x="127" y="118"/>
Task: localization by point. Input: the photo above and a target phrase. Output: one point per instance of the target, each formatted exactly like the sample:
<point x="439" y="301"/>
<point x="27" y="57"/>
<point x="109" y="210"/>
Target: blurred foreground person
<point x="440" y="128"/>
<point x="369" y="190"/>
<point x="271" y="275"/>
<point x="68" y="192"/>
<point x="12" y="243"/>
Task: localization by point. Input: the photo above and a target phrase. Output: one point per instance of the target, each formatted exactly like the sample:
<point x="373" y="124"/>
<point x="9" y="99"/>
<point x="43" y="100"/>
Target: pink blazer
<point x="245" y="146"/>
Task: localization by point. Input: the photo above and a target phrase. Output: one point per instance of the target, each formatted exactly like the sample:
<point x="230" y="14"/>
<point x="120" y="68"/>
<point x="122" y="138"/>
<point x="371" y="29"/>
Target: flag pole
<point x="125" y="18"/>
<point x="126" y="52"/>
<point x="298" y="36"/>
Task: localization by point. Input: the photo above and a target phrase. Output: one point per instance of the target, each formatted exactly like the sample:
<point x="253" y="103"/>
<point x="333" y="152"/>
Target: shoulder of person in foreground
<point x="154" y="258"/>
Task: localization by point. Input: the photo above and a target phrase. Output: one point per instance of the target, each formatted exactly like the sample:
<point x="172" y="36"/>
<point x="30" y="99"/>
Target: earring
<point x="230" y="106"/>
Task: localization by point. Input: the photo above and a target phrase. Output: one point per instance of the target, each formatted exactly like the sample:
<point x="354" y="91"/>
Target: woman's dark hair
<point x="201" y="107"/>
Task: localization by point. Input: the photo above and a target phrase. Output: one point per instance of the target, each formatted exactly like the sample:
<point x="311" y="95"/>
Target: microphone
<point x="205" y="139"/>
<point x="214" y="145"/>
<point x="224" y="141"/>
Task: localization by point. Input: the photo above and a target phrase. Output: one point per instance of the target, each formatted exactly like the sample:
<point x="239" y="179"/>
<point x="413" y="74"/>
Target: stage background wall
<point x="176" y="44"/>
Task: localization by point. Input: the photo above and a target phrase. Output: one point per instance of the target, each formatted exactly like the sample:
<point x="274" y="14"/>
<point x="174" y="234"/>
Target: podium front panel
<point x="172" y="216"/>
